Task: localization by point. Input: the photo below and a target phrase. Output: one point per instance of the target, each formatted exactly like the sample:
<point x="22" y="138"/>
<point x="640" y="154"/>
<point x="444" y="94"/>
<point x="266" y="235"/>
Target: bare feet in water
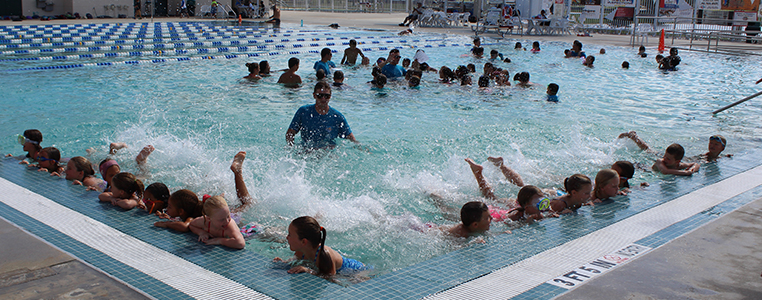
<point x="143" y="155"/>
<point x="497" y="161"/>
<point x="474" y="166"/>
<point x="113" y="147"/>
<point x="237" y="165"/>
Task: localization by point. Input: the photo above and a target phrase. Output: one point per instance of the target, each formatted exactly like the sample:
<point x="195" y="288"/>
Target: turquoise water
<point x="198" y="114"/>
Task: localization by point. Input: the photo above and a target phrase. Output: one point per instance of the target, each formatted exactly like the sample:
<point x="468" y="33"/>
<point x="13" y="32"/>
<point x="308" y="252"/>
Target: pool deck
<point x="718" y="260"/>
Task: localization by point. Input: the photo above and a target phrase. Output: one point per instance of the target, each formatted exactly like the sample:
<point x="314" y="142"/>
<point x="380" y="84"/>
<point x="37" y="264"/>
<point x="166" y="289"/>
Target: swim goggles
<point x="717" y="139"/>
<point x="40" y="158"/>
<point x="544" y="204"/>
<point x="22" y="140"/>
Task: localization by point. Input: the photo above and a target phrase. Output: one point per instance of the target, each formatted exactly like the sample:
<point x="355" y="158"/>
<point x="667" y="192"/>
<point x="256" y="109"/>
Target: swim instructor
<point x="319" y="123"/>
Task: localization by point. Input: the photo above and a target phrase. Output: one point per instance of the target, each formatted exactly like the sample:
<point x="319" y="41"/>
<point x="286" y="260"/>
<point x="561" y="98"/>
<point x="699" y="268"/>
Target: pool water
<point x="199" y="113"/>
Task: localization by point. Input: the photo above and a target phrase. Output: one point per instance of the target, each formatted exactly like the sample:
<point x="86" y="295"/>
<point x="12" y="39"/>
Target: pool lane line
<point x="36" y="37"/>
<point x="139" y="45"/>
<point x="168" y="268"/>
<point x="553" y="263"/>
<point x="208" y="57"/>
<point x="161" y="51"/>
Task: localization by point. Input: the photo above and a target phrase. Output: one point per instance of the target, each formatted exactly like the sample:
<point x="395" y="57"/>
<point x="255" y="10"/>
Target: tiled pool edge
<point x="528" y="278"/>
<point x="119" y="255"/>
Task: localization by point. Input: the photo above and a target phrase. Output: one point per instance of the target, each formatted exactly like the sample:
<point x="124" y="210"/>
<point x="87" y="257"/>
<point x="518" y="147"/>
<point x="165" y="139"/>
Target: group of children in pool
<point x="209" y="217"/>
<point x="217" y="224"/>
<point x="413" y="70"/>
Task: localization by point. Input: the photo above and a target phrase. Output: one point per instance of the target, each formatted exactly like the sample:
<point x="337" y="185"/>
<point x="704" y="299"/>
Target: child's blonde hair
<point x="602" y="178"/>
<point x="128" y="183"/>
<point x="212" y="203"/>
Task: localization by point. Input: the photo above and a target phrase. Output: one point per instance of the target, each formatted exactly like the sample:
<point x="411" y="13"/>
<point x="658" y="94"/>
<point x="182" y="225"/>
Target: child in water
<point x="606" y="185"/>
<point x="80" y="171"/>
<point x="535" y="47"/>
<point x="253" y="71"/>
<point x="671" y="163"/>
<point x="475" y="219"/>
<point x="182" y="207"/>
<point x="155" y="198"/>
<point x="30" y="141"/>
<point x="217" y="225"/>
<point x="126" y="191"/>
<point x="716" y="146"/>
<point x="350" y="54"/>
<point x="108" y="168"/>
<point x="578" y="189"/>
<point x="552" y="93"/>
<point x="626" y="170"/>
<point x="47" y="161"/>
<point x="305" y="237"/>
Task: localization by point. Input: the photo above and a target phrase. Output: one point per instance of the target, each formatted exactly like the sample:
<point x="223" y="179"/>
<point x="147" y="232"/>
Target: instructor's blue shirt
<point x="319" y="131"/>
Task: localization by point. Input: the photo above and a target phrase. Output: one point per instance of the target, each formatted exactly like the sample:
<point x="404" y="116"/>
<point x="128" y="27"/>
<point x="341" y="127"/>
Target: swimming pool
<point x="198" y="113"/>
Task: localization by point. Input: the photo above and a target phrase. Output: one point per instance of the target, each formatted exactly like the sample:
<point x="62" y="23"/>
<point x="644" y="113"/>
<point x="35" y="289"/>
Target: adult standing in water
<point x="319" y="124"/>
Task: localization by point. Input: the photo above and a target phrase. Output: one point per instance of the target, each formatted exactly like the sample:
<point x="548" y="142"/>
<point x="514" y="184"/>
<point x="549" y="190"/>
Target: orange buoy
<point x="239" y="20"/>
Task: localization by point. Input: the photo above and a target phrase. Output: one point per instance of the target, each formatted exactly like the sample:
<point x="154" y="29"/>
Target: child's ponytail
<point x="324" y="267"/>
<point x="308" y="228"/>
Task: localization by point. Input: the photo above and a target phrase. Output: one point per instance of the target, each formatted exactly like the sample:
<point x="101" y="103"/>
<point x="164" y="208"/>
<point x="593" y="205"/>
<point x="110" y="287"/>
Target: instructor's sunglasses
<point x="323" y="95"/>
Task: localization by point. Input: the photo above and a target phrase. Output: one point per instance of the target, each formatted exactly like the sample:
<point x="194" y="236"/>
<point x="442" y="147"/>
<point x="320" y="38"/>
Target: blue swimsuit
<point x="349" y="265"/>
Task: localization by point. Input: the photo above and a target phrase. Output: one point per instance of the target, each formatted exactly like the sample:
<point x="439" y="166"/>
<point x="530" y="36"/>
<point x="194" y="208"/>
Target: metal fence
<point x="374" y="6"/>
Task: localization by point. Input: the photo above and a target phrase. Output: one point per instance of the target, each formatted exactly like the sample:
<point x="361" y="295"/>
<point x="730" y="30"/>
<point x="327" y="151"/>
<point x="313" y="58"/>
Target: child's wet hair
<point x="522" y="77"/>
<point x="188" y="202"/>
<point x="676" y="151"/>
<point x="159" y="191"/>
<point x="308" y="228"/>
<point x="448" y="73"/>
<point x="526" y="193"/>
<point x="292" y="62"/>
<point x="625" y="64"/>
<point x="484" y="81"/>
<point x="472" y="212"/>
<point x="84" y="165"/>
<point x="34" y="135"/>
<point x="602" y="178"/>
<point x="352" y="42"/>
<point x="379" y="80"/>
<point x="213" y="203"/>
<point x="128" y="183"/>
<point x="536" y="45"/>
<point x="471" y="68"/>
<point x="552" y="89"/>
<point x="338" y="75"/>
<point x="628" y="170"/>
<point x="264" y="67"/>
<point x="414" y="81"/>
<point x="576" y="182"/>
<point x="517" y="45"/>
<point x="320" y="74"/>
<point x="479" y="51"/>
<point x="253" y="67"/>
<point x="53" y="154"/>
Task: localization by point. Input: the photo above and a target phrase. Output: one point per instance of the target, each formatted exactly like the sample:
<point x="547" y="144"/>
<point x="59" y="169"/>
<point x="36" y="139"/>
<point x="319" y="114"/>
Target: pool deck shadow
<point x="33" y="269"/>
<point x="720" y="260"/>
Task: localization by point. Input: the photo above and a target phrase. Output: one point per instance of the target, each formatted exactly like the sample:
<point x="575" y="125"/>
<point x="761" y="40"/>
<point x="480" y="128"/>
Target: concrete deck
<point x="720" y="260"/>
<point x="32" y="269"/>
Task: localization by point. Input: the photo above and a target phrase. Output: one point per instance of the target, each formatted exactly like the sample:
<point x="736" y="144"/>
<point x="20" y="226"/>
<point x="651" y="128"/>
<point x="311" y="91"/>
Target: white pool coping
<point x="527" y="274"/>
<point x="166" y="267"/>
